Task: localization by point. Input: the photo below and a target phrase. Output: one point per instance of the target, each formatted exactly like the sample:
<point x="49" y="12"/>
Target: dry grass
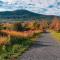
<point x="55" y="35"/>
<point x="29" y="33"/>
<point x="19" y="40"/>
<point x="4" y="40"/>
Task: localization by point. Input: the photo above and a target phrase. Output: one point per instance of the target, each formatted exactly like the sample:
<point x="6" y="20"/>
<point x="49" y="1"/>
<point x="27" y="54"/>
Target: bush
<point x="19" y="27"/>
<point x="55" y="24"/>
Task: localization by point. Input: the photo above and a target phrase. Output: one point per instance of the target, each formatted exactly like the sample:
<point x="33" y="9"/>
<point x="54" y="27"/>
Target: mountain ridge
<point x="24" y="14"/>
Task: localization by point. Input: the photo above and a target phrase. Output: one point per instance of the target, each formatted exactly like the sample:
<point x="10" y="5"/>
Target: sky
<point x="47" y="7"/>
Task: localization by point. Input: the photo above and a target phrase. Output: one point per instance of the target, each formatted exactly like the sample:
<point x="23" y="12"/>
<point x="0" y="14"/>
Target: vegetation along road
<point x="45" y="48"/>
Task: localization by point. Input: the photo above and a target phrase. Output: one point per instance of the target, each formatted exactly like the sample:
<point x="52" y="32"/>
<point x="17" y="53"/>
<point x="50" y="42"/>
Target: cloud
<point x="51" y="7"/>
<point x="9" y="1"/>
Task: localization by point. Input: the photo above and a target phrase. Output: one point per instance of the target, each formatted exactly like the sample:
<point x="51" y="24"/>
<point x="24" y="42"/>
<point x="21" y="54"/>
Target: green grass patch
<point x="16" y="47"/>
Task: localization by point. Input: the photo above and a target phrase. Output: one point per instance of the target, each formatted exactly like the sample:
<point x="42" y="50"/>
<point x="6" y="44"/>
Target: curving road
<point x="45" y="48"/>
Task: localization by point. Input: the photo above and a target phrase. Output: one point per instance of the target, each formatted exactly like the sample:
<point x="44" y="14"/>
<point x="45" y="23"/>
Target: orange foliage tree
<point x="55" y="25"/>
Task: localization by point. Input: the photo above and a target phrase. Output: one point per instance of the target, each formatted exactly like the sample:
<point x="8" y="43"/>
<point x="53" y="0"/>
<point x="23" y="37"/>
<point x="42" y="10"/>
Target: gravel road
<point x="45" y="48"/>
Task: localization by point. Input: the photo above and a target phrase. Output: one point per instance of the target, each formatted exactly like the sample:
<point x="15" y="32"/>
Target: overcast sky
<point x="48" y="7"/>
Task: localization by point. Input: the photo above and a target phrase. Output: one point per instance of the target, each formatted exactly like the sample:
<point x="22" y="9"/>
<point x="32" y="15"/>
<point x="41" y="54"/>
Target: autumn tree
<point x="55" y="24"/>
<point x="43" y="25"/>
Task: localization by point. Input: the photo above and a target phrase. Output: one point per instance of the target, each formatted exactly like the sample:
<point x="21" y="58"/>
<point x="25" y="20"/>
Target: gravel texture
<point x="45" y="48"/>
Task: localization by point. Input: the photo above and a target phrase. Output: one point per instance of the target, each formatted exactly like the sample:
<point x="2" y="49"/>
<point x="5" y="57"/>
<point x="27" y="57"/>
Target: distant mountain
<point x="24" y="15"/>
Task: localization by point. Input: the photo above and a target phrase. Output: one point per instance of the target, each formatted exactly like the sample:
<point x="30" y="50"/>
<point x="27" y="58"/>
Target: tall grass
<point x="16" y="38"/>
<point x="16" y="47"/>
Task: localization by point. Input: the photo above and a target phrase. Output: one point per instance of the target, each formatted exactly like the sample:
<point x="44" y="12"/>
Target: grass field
<point x="16" y="38"/>
<point x="15" y="47"/>
<point x="15" y="43"/>
<point x="56" y="35"/>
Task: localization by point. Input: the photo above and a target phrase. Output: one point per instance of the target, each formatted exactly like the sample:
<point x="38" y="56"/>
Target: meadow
<point x="17" y="37"/>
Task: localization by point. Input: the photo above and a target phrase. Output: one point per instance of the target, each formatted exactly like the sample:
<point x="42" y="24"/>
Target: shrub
<point x="20" y="27"/>
<point x="55" y="25"/>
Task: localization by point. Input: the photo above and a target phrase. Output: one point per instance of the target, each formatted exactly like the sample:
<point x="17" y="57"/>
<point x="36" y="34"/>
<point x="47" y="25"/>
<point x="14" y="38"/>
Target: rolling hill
<point x="23" y="15"/>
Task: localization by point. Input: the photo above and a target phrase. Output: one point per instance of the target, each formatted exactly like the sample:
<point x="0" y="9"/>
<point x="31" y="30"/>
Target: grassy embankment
<point x="13" y="43"/>
<point x="55" y="34"/>
<point x="11" y="47"/>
